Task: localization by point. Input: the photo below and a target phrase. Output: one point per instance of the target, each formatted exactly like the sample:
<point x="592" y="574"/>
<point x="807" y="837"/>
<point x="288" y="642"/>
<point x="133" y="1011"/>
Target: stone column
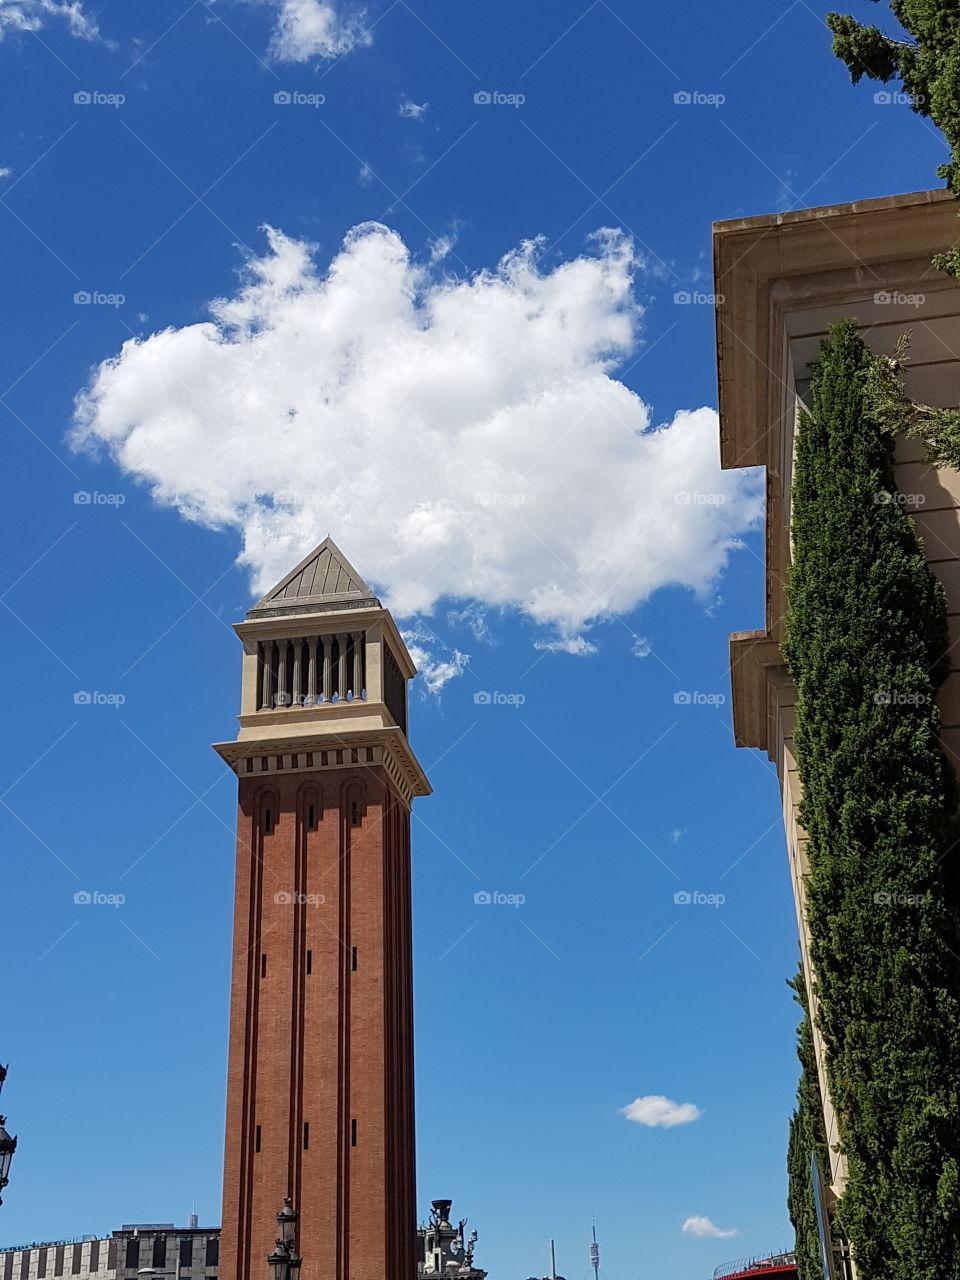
<point x="282" y="698"/>
<point x="342" y="672"/>
<point x="312" y="671"/>
<point x="357" y="663"/>
<point x="297" y="698"/>
<point x="326" y="643"/>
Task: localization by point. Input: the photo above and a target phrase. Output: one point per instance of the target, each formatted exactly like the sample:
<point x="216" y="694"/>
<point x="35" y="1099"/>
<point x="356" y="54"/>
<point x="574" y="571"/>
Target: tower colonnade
<point x="305" y="672"/>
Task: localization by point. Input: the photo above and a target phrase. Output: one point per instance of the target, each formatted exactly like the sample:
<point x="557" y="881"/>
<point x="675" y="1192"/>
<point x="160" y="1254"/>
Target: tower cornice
<point x="383" y="747"/>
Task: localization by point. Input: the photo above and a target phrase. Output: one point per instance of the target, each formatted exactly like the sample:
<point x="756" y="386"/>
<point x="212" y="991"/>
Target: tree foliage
<point x="888" y="403"/>
<point x="807" y="1137"/>
<point x="928" y="65"/>
<point x="866" y="639"/>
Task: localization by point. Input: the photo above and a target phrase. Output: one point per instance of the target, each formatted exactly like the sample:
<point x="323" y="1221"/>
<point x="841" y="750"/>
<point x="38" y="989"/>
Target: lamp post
<point x="284" y="1262"/>
<point x="8" y="1145"/>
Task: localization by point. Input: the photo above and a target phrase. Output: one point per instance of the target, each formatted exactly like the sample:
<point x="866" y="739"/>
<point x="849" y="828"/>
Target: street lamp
<point x="8" y="1146"/>
<point x="284" y="1263"/>
<point x="287" y="1218"/>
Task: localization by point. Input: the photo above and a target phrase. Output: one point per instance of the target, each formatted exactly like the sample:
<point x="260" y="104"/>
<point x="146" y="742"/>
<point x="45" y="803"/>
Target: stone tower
<point x="320" y="1077"/>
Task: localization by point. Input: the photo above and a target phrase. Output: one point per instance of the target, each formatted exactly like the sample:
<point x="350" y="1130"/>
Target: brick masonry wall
<point x="321" y="1028"/>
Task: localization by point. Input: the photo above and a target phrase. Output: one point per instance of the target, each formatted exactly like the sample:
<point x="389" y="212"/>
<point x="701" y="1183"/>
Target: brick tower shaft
<point x="320" y="1074"/>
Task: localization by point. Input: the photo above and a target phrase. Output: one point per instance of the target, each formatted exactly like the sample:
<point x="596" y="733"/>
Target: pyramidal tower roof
<point x="324" y="581"/>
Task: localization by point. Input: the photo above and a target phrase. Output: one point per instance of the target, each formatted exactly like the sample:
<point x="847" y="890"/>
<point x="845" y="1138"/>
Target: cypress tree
<point x="807" y="1137"/>
<point x="866" y="639"/>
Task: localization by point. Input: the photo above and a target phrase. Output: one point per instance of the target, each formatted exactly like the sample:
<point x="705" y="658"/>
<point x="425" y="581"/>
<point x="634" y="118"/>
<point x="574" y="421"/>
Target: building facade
<point x="783" y="280"/>
<point x="191" y="1253"/>
<point x="320" y="1074"/>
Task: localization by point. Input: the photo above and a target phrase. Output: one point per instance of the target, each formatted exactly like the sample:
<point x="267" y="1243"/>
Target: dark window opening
<point x="133" y="1253"/>
<point x="306" y="1135"/>
<point x="268" y="821"/>
<point x="94" y="1255"/>
<point x="256" y="1141"/>
<point x="353" y="1133"/>
<point x="58" y="1259"/>
<point x="77" y="1258"/>
<point x="394" y="689"/>
<point x="312" y="818"/>
<point x="353" y="960"/>
<point x="309" y="962"/>
<point x="41" y="1263"/>
<point x="186" y="1251"/>
<point x="354" y="813"/>
<point x="160" y="1252"/>
<point x="213" y="1252"/>
<point x="263" y="966"/>
<point x="111" y="1256"/>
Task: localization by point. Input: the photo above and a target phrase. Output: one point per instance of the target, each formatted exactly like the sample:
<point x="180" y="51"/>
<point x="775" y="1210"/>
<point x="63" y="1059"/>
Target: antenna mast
<point x="595" y="1253"/>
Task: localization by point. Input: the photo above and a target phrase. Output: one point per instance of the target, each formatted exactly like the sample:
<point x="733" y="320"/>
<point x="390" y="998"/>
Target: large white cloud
<point x="459" y="437"/>
<point x="657" y="1112"/>
<point x="31" y="15"/>
<point x="315" y="29"/>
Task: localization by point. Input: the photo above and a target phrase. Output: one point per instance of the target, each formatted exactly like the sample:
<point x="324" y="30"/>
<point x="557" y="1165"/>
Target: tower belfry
<point x="320" y="1076"/>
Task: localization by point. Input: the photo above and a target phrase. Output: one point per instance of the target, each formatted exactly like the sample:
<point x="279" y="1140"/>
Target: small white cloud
<point x="309" y="29"/>
<point x="413" y="110"/>
<point x="657" y="1112"/>
<point x="677" y="834"/>
<point x="31" y="15"/>
<point x="704" y="1229"/>
<point x="642" y="647"/>
<point x="5" y="173"/>
<point x="474" y="618"/>
<point x="433" y="668"/>
<point x="442" y="247"/>
<point x="366" y="175"/>
<point x="578" y="646"/>
<point x="436" y="672"/>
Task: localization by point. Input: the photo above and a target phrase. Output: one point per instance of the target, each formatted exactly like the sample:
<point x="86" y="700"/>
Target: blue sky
<point x="468" y="440"/>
